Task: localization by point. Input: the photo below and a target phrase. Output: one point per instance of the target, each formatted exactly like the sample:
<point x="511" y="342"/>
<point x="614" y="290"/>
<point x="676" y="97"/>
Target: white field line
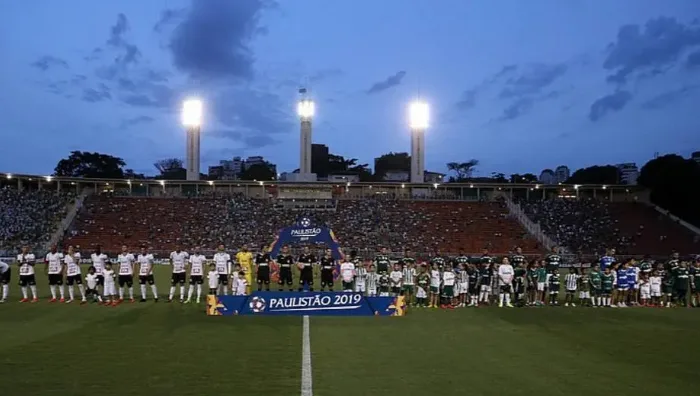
<point x="306" y="381"/>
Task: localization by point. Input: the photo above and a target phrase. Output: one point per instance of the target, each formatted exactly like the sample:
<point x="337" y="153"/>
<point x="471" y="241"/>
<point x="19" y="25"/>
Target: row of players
<point x="478" y="278"/>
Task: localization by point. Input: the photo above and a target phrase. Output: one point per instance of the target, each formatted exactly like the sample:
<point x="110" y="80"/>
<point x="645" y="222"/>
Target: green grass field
<point x="174" y="349"/>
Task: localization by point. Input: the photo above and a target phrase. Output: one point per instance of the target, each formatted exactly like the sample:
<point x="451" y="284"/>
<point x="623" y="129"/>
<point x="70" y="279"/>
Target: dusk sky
<point x="520" y="85"/>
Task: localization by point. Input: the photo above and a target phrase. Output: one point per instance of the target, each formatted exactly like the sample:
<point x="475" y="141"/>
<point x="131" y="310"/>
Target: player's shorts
<point x="519" y="287"/>
<point x="360" y="287"/>
<point x="554" y="291"/>
<point x="485" y="288"/>
<point x="455" y="291"/>
<point x="635" y="286"/>
<point x="285" y="276"/>
<point x="434" y="289"/>
<point x="623" y="288"/>
<point x="645" y="293"/>
<point x="263" y="276"/>
<point x="223" y="279"/>
<point x="127" y="280"/>
<point x="6" y="277"/>
<point x="178" y="277"/>
<point x="100" y="279"/>
<point x="506" y="288"/>
<point x="212" y="291"/>
<point x="473" y="289"/>
<point x="606" y="292"/>
<point x="27" y="280"/>
<point x="396" y="290"/>
<point x="196" y="279"/>
<point x="667" y="289"/>
<point x="327" y="279"/>
<point x="146" y="279"/>
<point x="540" y="286"/>
<point x="448" y="291"/>
<point x="110" y="289"/>
<point x="421" y="292"/>
<point x="595" y="292"/>
<point x="347" y="286"/>
<point x="681" y="293"/>
<point x="463" y="287"/>
<point x="584" y="294"/>
<point x="74" y="279"/>
<point x="371" y="292"/>
<point x="655" y="291"/>
<point x="55" y="279"/>
<point x="531" y="286"/>
<point x="408" y="289"/>
<point x="571" y="291"/>
<point x="306" y="277"/>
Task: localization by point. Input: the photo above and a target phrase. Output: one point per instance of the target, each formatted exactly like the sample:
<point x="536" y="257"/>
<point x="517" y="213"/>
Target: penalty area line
<point x="306" y="381"/>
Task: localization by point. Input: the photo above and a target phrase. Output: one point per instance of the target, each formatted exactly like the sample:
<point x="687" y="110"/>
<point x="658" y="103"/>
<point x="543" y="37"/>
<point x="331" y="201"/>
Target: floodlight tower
<point x="192" y="120"/>
<point x="418" y="119"/>
<point x="306" y="109"/>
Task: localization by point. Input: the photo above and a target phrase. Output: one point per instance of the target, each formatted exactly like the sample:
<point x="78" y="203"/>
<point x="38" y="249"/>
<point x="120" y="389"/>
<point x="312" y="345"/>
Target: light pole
<point x="418" y="120"/>
<point x="306" y="110"/>
<point x="192" y="120"/>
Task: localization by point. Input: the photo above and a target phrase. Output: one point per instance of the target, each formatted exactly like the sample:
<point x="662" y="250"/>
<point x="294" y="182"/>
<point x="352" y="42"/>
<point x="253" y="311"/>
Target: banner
<point x="305" y="232"/>
<point x="306" y="303"/>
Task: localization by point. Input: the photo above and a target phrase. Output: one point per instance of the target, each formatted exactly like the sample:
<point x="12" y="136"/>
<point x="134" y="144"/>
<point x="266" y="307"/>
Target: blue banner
<point x="306" y="303"/>
<point x="305" y="232"/>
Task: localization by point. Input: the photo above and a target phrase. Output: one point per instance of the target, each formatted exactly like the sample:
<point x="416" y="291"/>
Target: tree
<point x="259" y="172"/>
<point x="92" y="165"/>
<point x="171" y="169"/>
<point x="400" y="162"/>
<point x="130" y="174"/>
<point x="674" y="184"/>
<point x="524" y="178"/>
<point x="607" y="174"/>
<point x="498" y="177"/>
<point x="463" y="170"/>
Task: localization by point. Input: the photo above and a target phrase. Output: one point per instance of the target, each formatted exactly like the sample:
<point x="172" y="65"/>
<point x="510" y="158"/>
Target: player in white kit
<point x="98" y="261"/>
<point x="506" y="273"/>
<point x="347" y="274"/>
<point x="27" y="277"/>
<point x="196" y="275"/>
<point x="54" y="269"/>
<point x="110" y="291"/>
<point x="213" y="279"/>
<point x="73" y="274"/>
<point x="125" y="277"/>
<point x="178" y="260"/>
<point x="145" y="261"/>
<point x="5" y="272"/>
<point x="222" y="260"/>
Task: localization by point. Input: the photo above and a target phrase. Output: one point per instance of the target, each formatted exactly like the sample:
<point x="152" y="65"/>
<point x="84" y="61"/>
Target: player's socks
<point x="53" y="291"/>
<point x="70" y="292"/>
<point x="131" y="292"/>
<point x="32" y="288"/>
<point x="154" y="290"/>
<point x="5" y="291"/>
<point x="81" y="288"/>
<point x="143" y="292"/>
<point x="61" y="292"/>
<point x="190" y="292"/>
<point x="172" y="293"/>
<point x="501" y="297"/>
<point x="508" y="299"/>
<point x="121" y="292"/>
<point x="182" y="292"/>
<point x="199" y="292"/>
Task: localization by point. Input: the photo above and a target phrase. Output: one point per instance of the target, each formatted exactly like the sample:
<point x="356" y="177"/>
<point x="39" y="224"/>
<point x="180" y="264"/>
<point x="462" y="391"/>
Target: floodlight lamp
<point x="192" y="113"/>
<point x="128" y="182"/>
<point x="403" y="185"/>
<point x="9" y="176"/>
<point x="418" y="115"/>
<point x="211" y="183"/>
<point x="306" y="108"/>
<point x="605" y="187"/>
<point x="435" y="185"/>
<point x="162" y="182"/>
<point x="576" y="186"/>
<point x="48" y="179"/>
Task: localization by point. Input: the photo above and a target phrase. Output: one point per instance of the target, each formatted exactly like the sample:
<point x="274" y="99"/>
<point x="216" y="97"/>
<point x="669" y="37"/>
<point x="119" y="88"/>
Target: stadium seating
<point x="590" y="225"/>
<point x="364" y="224"/>
<point x="29" y="217"/>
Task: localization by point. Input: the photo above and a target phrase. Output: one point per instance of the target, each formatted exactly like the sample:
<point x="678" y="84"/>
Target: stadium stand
<point x="590" y="225"/>
<point x="29" y="217"/>
<point x="365" y="224"/>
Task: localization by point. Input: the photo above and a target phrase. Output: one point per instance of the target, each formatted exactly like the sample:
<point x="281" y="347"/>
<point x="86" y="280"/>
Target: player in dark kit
<point x="262" y="264"/>
<point x="327" y="266"/>
<point x="284" y="262"/>
<point x="381" y="261"/>
<point x="306" y="270"/>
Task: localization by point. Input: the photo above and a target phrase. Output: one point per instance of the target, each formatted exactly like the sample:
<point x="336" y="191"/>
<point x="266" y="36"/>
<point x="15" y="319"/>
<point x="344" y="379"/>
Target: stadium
<point x="348" y="280"/>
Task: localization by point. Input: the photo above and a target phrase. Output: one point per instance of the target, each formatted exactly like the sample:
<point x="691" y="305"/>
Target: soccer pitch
<point x="174" y="349"/>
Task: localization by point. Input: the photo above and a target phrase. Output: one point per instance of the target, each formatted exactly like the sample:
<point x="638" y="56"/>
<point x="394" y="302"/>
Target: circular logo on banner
<point x="257" y="304"/>
<point x="305" y="222"/>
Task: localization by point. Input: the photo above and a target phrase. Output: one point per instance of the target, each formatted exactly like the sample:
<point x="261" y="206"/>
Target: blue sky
<point x="518" y="85"/>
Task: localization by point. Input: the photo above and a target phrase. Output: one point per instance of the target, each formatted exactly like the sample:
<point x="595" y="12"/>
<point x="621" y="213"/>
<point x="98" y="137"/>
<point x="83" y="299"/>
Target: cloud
<point x="532" y="80"/>
<point x="670" y="97"/>
<point x="660" y="42"/>
<point x="47" y="61"/>
<point x="387" y="83"/>
<point x="468" y="100"/>
<point x="517" y="109"/>
<point x="693" y="59"/>
<point x="93" y="95"/>
<point x="135" y="121"/>
<point x="116" y="38"/>
<point x="325" y="74"/>
<point x="169" y="17"/>
<point x="258" y="141"/>
<point x="609" y="103"/>
<point x="212" y="42"/>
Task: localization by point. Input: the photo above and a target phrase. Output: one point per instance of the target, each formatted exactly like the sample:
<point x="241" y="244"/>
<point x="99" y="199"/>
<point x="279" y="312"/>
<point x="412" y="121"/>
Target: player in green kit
<point x="519" y="280"/>
<point x="681" y="281"/>
<point x="532" y="283"/>
<point x="422" y="287"/>
<point x="607" y="279"/>
<point x="438" y="260"/>
<point x="541" y="285"/>
<point x="596" y="286"/>
<point x="695" y="281"/>
<point x="384" y="285"/>
<point x="584" y="290"/>
<point x="554" y="287"/>
<point x="408" y="264"/>
<point x="382" y="262"/>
